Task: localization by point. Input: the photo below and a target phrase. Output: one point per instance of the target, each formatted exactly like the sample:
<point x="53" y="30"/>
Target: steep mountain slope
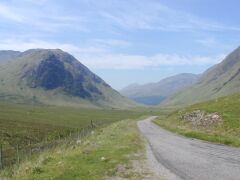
<point x="220" y="80"/>
<point x="55" y="77"/>
<point x="6" y="55"/>
<point x="154" y="93"/>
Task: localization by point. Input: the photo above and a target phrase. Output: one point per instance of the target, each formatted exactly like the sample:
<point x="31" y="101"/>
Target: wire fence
<point x="15" y="154"/>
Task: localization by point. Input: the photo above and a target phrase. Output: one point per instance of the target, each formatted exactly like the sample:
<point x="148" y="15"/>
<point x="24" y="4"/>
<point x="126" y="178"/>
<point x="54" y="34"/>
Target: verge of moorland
<point x="226" y="132"/>
<point x="104" y="154"/>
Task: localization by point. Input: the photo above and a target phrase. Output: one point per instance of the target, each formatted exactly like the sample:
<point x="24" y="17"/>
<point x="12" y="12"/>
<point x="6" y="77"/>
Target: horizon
<point x="125" y="42"/>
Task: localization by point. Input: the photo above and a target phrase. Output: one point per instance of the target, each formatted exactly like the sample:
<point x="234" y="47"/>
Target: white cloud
<point x="100" y="58"/>
<point x="7" y="13"/>
<point x="22" y="45"/>
<point x="38" y="2"/>
<point x="212" y="43"/>
<point x="123" y="61"/>
<point x="110" y="42"/>
<point x="155" y="15"/>
<point x="41" y="18"/>
<point x="50" y="15"/>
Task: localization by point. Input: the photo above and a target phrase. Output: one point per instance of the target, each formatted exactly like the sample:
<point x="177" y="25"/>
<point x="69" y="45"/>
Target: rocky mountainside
<point x="220" y="80"/>
<point x="154" y="93"/>
<point x="55" y="77"/>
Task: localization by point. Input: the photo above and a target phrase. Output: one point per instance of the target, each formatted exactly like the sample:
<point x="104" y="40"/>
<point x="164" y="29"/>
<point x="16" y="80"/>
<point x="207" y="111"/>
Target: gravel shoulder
<point x="177" y="157"/>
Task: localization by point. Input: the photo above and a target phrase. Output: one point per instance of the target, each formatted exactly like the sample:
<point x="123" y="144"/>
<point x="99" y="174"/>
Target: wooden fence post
<point x="17" y="154"/>
<point x="30" y="149"/>
<point x="92" y="124"/>
<point x="46" y="137"/>
<point x="1" y="157"/>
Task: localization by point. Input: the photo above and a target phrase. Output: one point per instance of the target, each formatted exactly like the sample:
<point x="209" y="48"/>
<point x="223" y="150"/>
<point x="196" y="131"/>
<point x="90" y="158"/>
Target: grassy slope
<point x="21" y="123"/>
<point x="218" y="81"/>
<point x="118" y="143"/>
<point x="227" y="132"/>
<point x="14" y="90"/>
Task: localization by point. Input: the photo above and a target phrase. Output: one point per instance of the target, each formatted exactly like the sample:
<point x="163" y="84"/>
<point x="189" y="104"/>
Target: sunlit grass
<point x="227" y="132"/>
<point x="96" y="157"/>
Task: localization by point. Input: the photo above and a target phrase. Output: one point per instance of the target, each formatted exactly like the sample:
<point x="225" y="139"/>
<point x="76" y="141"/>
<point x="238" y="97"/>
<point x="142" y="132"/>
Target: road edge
<point x="154" y="165"/>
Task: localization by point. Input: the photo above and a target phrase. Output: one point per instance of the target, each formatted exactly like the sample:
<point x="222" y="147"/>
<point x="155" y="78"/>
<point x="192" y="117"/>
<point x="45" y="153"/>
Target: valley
<point x="155" y="93"/>
<point x="48" y="97"/>
<point x="219" y="80"/>
<point x="119" y="90"/>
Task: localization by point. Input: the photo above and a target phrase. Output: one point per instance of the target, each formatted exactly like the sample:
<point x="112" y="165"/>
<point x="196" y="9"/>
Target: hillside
<point x="154" y="93"/>
<point x="220" y="80"/>
<point x="55" y="77"/>
<point x="226" y="131"/>
<point x="6" y="55"/>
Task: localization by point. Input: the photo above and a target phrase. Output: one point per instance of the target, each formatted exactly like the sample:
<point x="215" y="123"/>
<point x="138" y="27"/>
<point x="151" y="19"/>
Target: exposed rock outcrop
<point x="201" y="118"/>
<point x="54" y="72"/>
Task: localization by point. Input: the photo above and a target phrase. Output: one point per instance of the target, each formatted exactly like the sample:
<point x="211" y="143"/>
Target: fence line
<point x="11" y="156"/>
<point x="1" y="161"/>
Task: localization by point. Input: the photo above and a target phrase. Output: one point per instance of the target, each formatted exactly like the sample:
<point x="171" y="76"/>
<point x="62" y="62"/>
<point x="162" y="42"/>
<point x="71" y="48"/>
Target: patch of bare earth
<point x="137" y="169"/>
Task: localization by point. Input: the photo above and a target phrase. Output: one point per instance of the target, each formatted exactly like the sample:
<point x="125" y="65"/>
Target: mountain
<point x="155" y="93"/>
<point x="54" y="77"/>
<point x="7" y="55"/>
<point x="219" y="80"/>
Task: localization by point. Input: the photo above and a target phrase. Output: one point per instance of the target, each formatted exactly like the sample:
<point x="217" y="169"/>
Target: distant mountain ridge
<point x="155" y="93"/>
<point x="7" y="55"/>
<point x="52" y="76"/>
<point x="219" y="80"/>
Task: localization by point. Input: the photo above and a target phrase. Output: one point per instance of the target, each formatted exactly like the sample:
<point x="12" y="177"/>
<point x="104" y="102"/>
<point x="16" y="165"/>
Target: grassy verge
<point x="227" y="132"/>
<point x="20" y="124"/>
<point x="105" y="153"/>
<point x="24" y="127"/>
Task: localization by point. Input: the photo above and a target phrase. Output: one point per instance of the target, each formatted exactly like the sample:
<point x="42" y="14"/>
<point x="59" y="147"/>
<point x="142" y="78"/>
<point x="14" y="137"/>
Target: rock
<point x="79" y="141"/>
<point x="103" y="159"/>
<point x="121" y="169"/>
<point x="201" y="118"/>
<point x="86" y="142"/>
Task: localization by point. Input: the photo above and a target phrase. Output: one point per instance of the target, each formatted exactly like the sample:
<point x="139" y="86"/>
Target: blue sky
<point x="126" y="41"/>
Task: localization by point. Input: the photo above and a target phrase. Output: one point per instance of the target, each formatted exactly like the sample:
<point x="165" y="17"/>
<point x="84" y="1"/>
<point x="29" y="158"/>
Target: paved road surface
<point x="191" y="159"/>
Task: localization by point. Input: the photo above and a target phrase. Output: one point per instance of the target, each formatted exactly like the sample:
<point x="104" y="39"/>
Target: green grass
<point x="227" y="132"/>
<point x="118" y="144"/>
<point x="23" y="124"/>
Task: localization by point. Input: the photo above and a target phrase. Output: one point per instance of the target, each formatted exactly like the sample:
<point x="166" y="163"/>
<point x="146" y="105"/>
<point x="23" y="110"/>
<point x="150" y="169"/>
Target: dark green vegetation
<point x="27" y="126"/>
<point x="220" y="80"/>
<point x="155" y="93"/>
<point x="226" y="132"/>
<point x="21" y="123"/>
<point x="98" y="156"/>
<point x="54" y="77"/>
